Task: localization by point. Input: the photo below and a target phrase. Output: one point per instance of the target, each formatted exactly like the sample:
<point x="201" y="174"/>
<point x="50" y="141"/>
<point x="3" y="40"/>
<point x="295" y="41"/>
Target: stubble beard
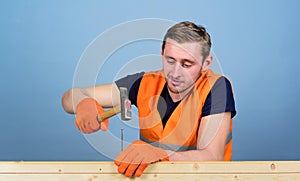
<point x="178" y="91"/>
<point x="182" y="90"/>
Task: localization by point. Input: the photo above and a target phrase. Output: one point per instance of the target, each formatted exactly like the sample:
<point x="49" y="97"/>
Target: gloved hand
<point x="137" y="156"/>
<point x="86" y="116"/>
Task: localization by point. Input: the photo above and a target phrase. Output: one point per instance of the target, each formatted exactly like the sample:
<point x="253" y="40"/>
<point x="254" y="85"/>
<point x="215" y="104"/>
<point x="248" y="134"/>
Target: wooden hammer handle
<point x="107" y="114"/>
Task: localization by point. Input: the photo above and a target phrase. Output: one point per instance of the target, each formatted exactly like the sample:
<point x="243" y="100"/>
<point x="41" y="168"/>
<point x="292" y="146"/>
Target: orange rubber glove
<point x="137" y="156"/>
<point x="86" y="116"/>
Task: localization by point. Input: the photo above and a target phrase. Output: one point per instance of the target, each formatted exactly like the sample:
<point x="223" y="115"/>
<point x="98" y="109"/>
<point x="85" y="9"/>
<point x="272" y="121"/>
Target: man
<point x="185" y="110"/>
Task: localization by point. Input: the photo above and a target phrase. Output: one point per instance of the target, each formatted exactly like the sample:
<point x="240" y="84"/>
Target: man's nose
<point x="177" y="70"/>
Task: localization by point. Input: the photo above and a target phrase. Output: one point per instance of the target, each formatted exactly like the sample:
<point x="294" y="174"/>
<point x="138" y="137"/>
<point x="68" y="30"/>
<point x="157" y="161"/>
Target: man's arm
<point x="213" y="132"/>
<point x="107" y="95"/>
<point x="87" y="103"/>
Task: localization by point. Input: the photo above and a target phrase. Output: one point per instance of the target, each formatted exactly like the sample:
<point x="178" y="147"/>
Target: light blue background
<point x="257" y="43"/>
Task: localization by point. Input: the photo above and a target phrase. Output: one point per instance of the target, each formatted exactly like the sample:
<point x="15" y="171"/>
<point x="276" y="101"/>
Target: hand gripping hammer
<point x="124" y="108"/>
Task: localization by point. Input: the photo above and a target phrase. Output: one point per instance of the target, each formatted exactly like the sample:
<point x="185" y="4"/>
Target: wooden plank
<point x="163" y="167"/>
<point x="279" y="170"/>
<point x="151" y="177"/>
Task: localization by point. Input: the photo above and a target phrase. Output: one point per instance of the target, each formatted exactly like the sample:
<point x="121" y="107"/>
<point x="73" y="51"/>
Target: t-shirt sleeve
<point x="132" y="83"/>
<point x="220" y="99"/>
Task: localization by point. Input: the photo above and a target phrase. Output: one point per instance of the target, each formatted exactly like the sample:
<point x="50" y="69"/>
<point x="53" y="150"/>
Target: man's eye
<point x="186" y="65"/>
<point x="170" y="61"/>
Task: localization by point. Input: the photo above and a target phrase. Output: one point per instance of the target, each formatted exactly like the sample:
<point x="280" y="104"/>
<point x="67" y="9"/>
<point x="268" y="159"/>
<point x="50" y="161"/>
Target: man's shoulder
<point x="154" y="73"/>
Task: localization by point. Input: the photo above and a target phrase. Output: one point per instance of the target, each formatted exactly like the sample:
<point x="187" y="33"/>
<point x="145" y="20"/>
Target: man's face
<point x="182" y="65"/>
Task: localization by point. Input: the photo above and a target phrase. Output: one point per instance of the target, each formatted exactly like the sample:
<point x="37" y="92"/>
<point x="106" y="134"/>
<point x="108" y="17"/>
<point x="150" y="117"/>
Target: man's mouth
<point x="175" y="82"/>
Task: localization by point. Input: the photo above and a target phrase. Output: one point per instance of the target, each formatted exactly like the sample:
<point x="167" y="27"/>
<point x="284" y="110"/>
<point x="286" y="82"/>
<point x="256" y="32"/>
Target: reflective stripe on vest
<point x="169" y="146"/>
<point x="229" y="138"/>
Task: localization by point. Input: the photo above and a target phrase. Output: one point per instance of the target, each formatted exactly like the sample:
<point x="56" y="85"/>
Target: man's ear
<point x="207" y="62"/>
<point x="161" y="57"/>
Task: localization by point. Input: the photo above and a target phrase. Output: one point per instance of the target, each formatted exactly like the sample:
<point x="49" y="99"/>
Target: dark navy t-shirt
<point x="220" y="99"/>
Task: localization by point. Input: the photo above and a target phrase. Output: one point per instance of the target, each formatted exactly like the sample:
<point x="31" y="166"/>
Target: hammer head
<point x="126" y="113"/>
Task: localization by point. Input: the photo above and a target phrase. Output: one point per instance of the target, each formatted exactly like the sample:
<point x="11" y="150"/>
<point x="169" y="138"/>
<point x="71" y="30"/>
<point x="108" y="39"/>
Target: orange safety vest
<point x="181" y="130"/>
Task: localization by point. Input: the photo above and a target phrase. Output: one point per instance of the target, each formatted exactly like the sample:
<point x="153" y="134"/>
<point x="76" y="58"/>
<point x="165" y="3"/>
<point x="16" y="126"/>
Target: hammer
<point x="124" y="108"/>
